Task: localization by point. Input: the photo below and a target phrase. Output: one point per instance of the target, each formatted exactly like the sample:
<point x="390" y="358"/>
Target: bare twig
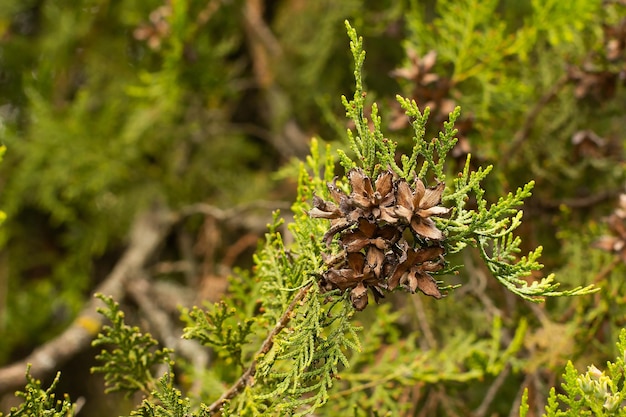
<point x="429" y="340"/>
<point x="234" y="212"/>
<point x="481" y="411"/>
<point x="478" y="285"/>
<point x="582" y="202"/>
<point x="249" y="240"/>
<point x="286" y="136"/>
<point x="147" y="234"/>
<point x="522" y="134"/>
<point x="185" y="245"/>
<point x="246" y="377"/>
<point x="514" y="412"/>
<point x="140" y="290"/>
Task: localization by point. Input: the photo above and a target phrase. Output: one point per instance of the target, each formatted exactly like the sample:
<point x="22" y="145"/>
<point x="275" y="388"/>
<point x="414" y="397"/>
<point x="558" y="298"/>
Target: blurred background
<point x="108" y="108"/>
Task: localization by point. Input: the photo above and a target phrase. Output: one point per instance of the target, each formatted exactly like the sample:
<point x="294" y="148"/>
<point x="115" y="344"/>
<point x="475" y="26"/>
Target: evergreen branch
<point x="165" y="401"/>
<point x="316" y="347"/>
<point x="247" y="377"/>
<point x="129" y="354"/>
<point x="511" y="276"/>
<point x="362" y="144"/>
<point x="596" y="392"/>
<point x="40" y="402"/>
<point x="435" y="151"/>
<point x="491" y="228"/>
<point x="213" y="328"/>
<point x="409" y="164"/>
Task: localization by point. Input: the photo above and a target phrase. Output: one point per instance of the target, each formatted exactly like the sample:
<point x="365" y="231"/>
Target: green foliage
<point x="594" y="393"/>
<point x="215" y="327"/>
<point x="294" y="367"/>
<point x="93" y="138"/>
<point x="165" y="401"/>
<point x="2" y="151"/>
<point x="41" y="402"/>
<point x="375" y="384"/>
<point x="170" y="124"/>
<point x="308" y="358"/>
<point x="128" y="356"/>
<point x="491" y="229"/>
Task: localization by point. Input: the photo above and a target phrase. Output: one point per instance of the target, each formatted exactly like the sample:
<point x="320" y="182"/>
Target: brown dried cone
<point x="371" y="201"/>
<point x="364" y="201"/>
<point x="617" y="225"/>
<point x="429" y="89"/>
<point x="370" y="222"/>
<point x="615" y="41"/>
<point x="415" y="207"/>
<point x="413" y="271"/>
<point x="341" y="215"/>
<point x="599" y="76"/>
<point x="435" y="91"/>
<point x="595" y="84"/>
<point x="358" y="273"/>
<point x="382" y="237"/>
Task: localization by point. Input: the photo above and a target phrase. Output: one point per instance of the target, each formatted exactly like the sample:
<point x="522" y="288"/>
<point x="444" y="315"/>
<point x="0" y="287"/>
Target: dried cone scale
<point x="371" y="223"/>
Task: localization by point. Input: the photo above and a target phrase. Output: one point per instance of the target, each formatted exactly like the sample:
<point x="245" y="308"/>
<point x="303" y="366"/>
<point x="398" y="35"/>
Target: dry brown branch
<point x="247" y="376"/>
<point x="263" y="44"/>
<point x="429" y="341"/>
<point x="482" y="409"/>
<point x="286" y="136"/>
<point x="582" y="202"/>
<point x="522" y="134"/>
<point x="185" y="245"/>
<point x="247" y="241"/>
<point x="232" y="214"/>
<point x="165" y="331"/>
<point x="147" y="234"/>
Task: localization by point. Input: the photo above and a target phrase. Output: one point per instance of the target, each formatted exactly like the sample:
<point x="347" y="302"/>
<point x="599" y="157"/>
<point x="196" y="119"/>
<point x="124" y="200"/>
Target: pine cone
<point x="413" y="270"/>
<point x="415" y="207"/>
<point x="371" y="222"/>
<point x="616" y="242"/>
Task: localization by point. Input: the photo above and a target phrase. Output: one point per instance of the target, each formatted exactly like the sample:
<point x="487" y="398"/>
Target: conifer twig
<point x="247" y="376"/>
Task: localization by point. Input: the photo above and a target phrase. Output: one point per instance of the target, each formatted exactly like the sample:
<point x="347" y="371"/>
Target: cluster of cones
<point x="616" y="241"/>
<point x="386" y="233"/>
<point x="599" y="77"/>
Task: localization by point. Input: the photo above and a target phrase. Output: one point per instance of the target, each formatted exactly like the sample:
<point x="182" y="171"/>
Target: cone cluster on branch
<point x="616" y="242"/>
<point x="600" y="76"/>
<point x="387" y="235"/>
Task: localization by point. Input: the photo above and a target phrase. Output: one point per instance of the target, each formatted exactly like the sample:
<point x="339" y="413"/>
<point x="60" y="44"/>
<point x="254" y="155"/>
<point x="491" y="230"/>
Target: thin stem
<point x="492" y="392"/>
<point x="522" y="134"/>
<point x="246" y="378"/>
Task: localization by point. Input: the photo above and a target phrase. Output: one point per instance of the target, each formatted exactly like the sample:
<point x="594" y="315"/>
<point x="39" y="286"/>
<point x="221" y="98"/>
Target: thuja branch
<point x="246" y="378"/>
<point x="395" y="223"/>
